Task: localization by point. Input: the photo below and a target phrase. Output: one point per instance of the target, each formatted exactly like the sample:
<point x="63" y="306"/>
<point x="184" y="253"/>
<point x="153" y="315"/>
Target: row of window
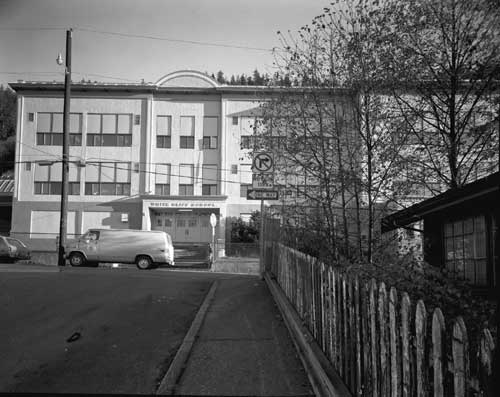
<point x="115" y="130"/>
<point x="118" y="189"/>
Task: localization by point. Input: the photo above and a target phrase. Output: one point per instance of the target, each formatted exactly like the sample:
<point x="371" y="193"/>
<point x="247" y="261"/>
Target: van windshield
<point x="91" y="235"/>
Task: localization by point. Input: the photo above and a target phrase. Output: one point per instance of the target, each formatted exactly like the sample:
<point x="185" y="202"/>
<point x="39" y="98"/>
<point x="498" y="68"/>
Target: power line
<point x="149" y="37"/>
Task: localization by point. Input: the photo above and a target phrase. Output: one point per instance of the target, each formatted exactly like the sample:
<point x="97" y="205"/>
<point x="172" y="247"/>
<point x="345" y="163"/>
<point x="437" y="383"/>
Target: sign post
<point x="263" y="168"/>
<point x="213" y="222"/>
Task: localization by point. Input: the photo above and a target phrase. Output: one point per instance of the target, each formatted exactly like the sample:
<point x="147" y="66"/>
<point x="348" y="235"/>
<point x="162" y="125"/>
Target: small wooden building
<point x="460" y="229"/>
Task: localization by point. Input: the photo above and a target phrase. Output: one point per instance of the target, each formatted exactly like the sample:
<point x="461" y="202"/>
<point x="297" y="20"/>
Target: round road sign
<point x="263" y="162"/>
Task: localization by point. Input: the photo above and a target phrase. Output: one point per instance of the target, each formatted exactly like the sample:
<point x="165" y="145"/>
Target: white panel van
<point x="145" y="248"/>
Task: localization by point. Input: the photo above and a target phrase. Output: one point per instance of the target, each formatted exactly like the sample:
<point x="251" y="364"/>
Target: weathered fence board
<point x="394" y="345"/>
<point x="376" y="340"/>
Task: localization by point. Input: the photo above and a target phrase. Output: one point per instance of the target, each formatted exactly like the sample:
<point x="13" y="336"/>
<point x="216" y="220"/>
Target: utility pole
<point x="261" y="239"/>
<point x="65" y="154"/>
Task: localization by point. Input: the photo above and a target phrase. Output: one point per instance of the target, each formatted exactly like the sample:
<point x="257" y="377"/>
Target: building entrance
<point x="184" y="227"/>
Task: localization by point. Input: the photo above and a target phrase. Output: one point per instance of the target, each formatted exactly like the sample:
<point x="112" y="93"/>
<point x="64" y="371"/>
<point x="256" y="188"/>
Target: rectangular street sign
<point x="253" y="194"/>
<point x="262" y="181"/>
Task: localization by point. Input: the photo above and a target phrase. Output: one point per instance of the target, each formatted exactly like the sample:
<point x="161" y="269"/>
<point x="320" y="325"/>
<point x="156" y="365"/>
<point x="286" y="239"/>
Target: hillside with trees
<point x="8" y="114"/>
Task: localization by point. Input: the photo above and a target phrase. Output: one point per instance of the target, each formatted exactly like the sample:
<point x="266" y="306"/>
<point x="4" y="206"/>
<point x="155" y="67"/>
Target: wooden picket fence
<point x="380" y="342"/>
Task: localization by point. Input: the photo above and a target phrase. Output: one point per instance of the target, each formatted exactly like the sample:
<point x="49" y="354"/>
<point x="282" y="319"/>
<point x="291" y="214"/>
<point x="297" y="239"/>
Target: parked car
<point x="145" y="248"/>
<point x="12" y="249"/>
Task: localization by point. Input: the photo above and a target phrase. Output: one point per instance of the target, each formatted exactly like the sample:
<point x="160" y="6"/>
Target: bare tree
<point x="444" y="55"/>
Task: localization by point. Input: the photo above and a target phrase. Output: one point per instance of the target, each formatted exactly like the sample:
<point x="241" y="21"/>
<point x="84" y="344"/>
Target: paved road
<point x="127" y="324"/>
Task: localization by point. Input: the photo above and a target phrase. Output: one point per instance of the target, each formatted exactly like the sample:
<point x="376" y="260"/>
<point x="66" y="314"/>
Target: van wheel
<point x="76" y="259"/>
<point x="143" y="262"/>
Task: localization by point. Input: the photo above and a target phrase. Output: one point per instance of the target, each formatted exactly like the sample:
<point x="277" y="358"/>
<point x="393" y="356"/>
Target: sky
<point x="33" y="33"/>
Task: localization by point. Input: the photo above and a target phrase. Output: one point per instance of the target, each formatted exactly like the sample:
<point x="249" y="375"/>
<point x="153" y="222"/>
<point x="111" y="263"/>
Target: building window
<point x="163" y="142"/>
<point x="187" y="132"/>
<point x="210" y="132"/>
<point x="109" y="130"/>
<point x="49" y="129"/>
<point x="209" y="180"/>
<point x="185" y="189"/>
<point x="31" y="116"/>
<point x="209" y="190"/>
<point x="164" y="132"/>
<point x="246" y="142"/>
<point x="209" y="142"/>
<point x="465" y="249"/>
<point x="162" y="189"/>
<point x="186" y="180"/>
<point x="27" y="166"/>
<point x="107" y="179"/>
<point x="48" y="179"/>
<point x="244" y="189"/>
<point x="162" y="179"/>
<point x="235" y="120"/>
<point x="187" y="142"/>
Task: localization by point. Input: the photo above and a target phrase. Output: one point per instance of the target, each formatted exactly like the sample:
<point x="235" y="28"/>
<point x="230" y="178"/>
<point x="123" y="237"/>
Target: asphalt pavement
<point x="117" y="330"/>
<point x="91" y="330"/>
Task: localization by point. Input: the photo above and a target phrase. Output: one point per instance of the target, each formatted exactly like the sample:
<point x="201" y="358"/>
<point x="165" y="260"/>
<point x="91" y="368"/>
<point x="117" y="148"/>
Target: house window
<point x="465" y="249"/>
<point x="235" y="120"/>
<point x="49" y="129"/>
<point x="164" y="132"/>
<point x="187" y="132"/>
<point x="162" y="179"/>
<point x="109" y="130"/>
<point x="107" y="179"/>
<point x="48" y="179"/>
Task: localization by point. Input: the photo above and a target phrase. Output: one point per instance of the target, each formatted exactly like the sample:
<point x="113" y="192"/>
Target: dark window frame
<point x="186" y="142"/>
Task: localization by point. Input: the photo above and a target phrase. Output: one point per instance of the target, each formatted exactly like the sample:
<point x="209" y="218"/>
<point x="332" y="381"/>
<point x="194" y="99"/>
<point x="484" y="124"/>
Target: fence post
<point x="357" y="337"/>
<point x="438" y="329"/>
<point x="486" y="348"/>
<point x="345" y="333"/>
<point x="460" y="349"/>
<point x="405" y="344"/>
<point x="372" y="312"/>
<point x="382" y="322"/>
<point x="365" y="329"/>
<point x="420" y="336"/>
<point x="394" y="344"/>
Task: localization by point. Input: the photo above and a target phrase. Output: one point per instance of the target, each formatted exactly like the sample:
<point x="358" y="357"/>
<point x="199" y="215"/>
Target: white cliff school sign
<point x="183" y="204"/>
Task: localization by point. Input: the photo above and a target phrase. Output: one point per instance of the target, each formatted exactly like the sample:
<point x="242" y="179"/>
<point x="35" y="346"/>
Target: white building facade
<point x="161" y="156"/>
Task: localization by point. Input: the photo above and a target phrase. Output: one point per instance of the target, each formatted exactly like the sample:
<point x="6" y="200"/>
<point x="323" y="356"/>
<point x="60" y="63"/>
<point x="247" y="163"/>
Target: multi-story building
<point x="142" y="156"/>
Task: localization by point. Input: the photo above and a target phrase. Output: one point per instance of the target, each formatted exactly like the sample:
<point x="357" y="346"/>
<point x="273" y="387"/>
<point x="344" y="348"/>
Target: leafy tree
<point x="8" y="114"/>
<point x="220" y="77"/>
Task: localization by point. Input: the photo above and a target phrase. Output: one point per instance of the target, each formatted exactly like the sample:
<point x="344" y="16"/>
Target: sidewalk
<point x="242" y="348"/>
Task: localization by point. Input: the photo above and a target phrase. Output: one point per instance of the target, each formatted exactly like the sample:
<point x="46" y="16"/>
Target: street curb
<point x="323" y="377"/>
<point x="167" y="385"/>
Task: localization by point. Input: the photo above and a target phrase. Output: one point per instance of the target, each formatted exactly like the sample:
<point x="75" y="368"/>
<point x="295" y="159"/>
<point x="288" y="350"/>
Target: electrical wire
<point x="149" y="37"/>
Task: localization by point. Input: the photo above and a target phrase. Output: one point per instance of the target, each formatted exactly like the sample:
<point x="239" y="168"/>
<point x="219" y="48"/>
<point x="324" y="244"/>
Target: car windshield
<point x="16" y="243"/>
